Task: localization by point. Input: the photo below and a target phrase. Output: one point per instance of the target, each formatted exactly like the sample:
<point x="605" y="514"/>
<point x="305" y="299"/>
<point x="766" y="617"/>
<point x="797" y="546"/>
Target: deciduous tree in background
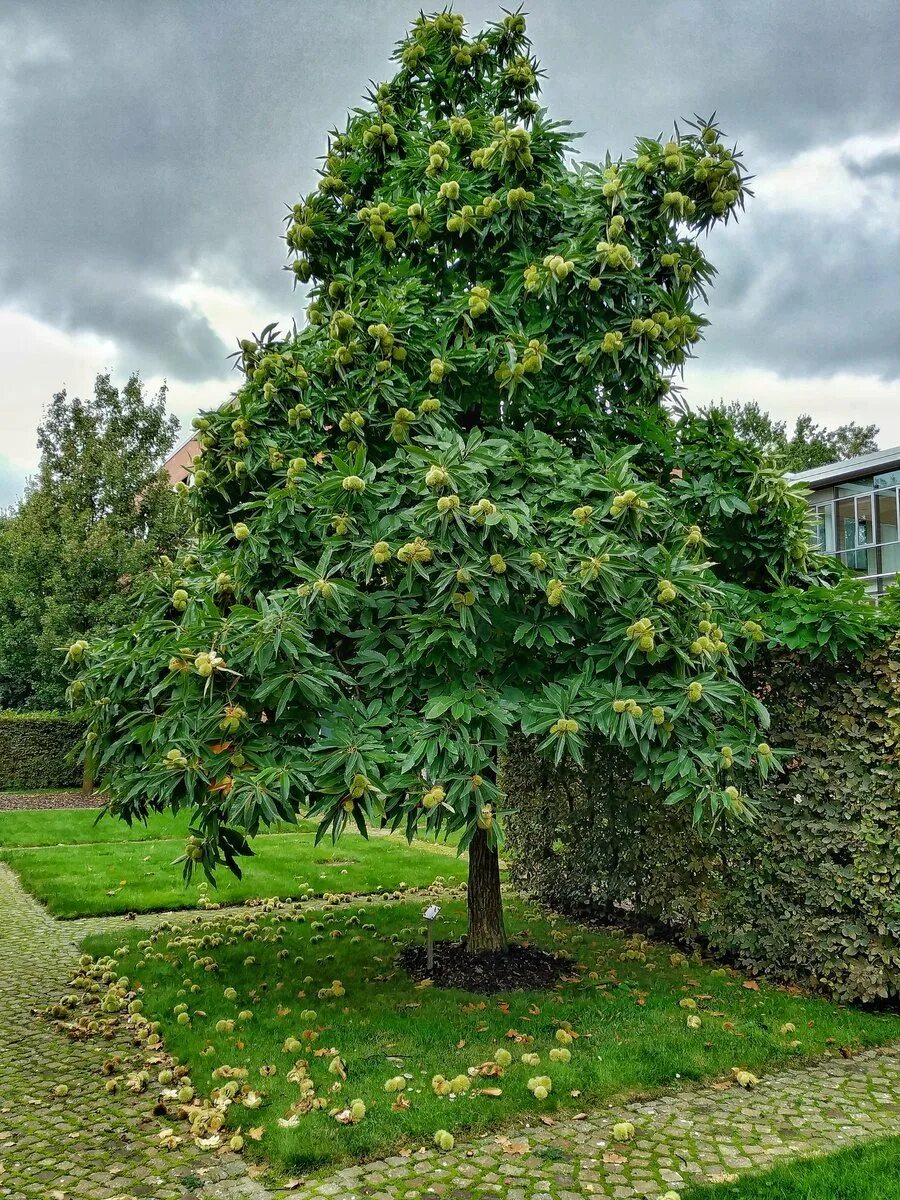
<point x="97" y="513"/>
<point x="446" y="508"/>
<point x="808" y="445"/>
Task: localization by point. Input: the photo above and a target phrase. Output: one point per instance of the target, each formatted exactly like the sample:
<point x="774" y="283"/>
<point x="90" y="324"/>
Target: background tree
<point x="446" y="508"/>
<point x="97" y="513"/>
<point x="808" y="445"/>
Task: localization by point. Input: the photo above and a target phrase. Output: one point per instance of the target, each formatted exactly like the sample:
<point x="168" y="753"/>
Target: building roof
<point x="850" y="468"/>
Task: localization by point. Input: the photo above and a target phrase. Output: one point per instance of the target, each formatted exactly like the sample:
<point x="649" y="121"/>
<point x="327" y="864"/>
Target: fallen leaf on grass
<point x="490" y="1069"/>
<point x="490" y="1091"/>
<point x="400" y="1104"/>
<point x="544" y="1119"/>
<point x="751" y="985"/>
<point x="256" y="1132"/>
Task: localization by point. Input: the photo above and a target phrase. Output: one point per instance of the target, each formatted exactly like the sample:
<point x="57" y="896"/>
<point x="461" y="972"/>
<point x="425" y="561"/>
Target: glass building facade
<point x="856" y="515"/>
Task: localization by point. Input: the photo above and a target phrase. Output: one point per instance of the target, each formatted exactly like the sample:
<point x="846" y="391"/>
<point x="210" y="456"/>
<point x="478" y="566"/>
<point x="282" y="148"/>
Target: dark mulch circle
<point x="518" y="968"/>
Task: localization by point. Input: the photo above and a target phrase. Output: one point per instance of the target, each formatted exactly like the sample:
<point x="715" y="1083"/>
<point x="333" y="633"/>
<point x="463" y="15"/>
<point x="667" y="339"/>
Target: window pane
<point x="886" y="509"/>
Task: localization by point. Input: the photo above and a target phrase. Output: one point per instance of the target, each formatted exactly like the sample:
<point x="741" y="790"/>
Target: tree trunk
<point x="486" y="929"/>
<point x="87" y="779"/>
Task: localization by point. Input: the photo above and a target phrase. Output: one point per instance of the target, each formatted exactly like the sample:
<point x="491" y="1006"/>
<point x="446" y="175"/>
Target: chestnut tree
<point x="421" y="522"/>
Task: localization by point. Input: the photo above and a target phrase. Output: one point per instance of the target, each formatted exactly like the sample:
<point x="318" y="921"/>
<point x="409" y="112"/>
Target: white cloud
<point x="830" y="182"/>
<point x="231" y="313"/>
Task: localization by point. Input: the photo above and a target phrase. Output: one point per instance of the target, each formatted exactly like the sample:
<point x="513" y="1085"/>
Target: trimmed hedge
<point x="809" y="893"/>
<point x="34" y="747"/>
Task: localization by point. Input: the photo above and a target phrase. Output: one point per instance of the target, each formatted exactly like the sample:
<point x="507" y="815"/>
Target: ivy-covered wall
<point x="809" y="892"/>
<point x="34" y="748"/>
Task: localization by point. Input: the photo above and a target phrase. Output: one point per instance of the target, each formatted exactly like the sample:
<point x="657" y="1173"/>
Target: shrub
<point x="35" y="750"/>
<point x="808" y="892"/>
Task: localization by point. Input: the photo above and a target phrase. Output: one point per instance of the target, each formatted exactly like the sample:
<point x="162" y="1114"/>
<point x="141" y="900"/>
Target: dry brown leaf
<point x="751" y="985"/>
<point x="513" y="1146"/>
<point x="460" y="1043"/>
<point x="545" y="1120"/>
<point x="401" y="1103"/>
<point x="488" y="1091"/>
<point x="613" y="1159"/>
<point x="490" y="1069"/>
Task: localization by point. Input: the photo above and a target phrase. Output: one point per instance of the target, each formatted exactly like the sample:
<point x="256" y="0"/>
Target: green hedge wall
<point x="34" y="748"/>
<point x="809" y="893"/>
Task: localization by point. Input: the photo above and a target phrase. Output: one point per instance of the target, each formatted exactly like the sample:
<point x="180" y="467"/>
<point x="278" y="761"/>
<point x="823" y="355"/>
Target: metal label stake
<point x="430" y="913"/>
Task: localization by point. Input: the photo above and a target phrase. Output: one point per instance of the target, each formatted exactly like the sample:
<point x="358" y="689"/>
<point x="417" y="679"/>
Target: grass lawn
<point x="79" y="869"/>
<point x="633" y="1029"/>
<point x="79" y="826"/>
<point x="867" y="1172"/>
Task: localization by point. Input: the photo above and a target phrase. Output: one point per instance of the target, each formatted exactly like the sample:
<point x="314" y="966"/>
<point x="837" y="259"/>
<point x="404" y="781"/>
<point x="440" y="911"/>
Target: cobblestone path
<point x="691" y="1137"/>
<point x="89" y="1145"/>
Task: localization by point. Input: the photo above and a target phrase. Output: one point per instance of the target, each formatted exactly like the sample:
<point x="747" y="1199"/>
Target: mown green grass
<point x="867" y="1172"/>
<point x="634" y="1036"/>
<point x="138" y="876"/>
<point x="80" y="826"/>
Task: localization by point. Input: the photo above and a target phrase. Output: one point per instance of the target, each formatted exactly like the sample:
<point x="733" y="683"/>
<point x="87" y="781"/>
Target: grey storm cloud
<point x="144" y="142"/>
<point x="806" y="298"/>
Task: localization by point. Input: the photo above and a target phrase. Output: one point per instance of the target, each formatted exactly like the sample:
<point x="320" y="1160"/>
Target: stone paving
<point x="91" y="1145"/>
<point x="87" y="1144"/>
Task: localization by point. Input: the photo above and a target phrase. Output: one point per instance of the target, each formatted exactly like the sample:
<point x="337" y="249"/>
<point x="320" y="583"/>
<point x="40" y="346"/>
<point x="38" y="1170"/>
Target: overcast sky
<point x="147" y="148"/>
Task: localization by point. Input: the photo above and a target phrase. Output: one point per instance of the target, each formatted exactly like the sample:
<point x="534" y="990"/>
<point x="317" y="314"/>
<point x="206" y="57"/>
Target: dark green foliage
<point x="808" y="891"/>
<point x="38" y="750"/>
<point x="96" y="514"/>
<point x="807" y="446"/>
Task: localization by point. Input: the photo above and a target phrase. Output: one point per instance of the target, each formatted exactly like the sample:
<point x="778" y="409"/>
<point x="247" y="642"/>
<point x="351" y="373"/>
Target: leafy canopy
<point x="420" y="523"/>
